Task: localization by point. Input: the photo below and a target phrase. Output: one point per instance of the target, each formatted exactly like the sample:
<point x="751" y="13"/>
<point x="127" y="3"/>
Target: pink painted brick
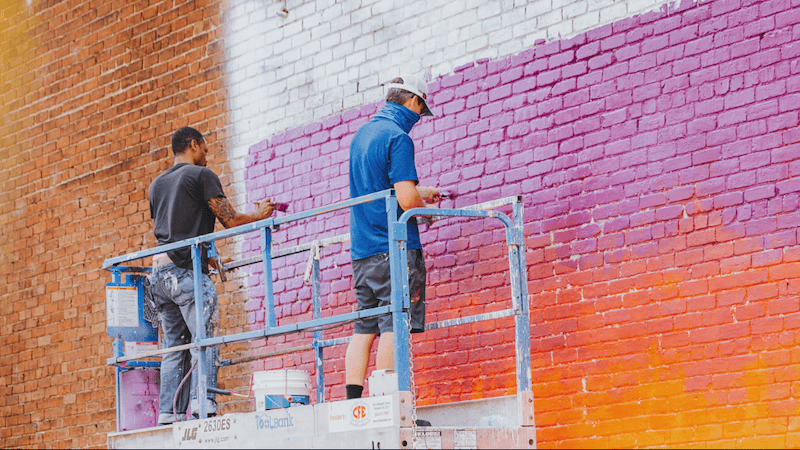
<point x="783" y="121"/>
<point x="564" y="86"/>
<point x="725" y="113"/>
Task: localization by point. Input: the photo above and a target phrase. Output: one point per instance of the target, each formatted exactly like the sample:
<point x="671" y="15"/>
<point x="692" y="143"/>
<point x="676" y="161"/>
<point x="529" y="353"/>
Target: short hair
<point x="399" y="96"/>
<point x="182" y="138"/>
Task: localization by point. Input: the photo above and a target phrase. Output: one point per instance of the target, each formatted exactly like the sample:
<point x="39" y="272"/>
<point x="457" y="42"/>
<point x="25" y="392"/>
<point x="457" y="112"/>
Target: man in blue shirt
<point x="382" y="157"/>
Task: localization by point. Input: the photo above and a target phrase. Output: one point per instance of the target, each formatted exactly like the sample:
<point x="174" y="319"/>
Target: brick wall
<point x="657" y="157"/>
<point x="92" y="91"/>
<point x="294" y="62"/>
<point x="659" y="161"/>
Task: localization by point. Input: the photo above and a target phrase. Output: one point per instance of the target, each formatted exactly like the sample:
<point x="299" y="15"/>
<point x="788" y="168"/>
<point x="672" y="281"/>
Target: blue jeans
<point x="173" y="293"/>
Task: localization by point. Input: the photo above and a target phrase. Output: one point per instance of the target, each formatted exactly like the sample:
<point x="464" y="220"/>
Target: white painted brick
<point x="288" y="58"/>
<point x="354" y="59"/>
<point x="372" y="24"/>
<point x="376" y="51"/>
<point x="321" y="31"/>
<point x="422" y="37"/>
<point x="303" y="66"/>
<point x="303" y="10"/>
<point x="351" y="33"/>
<point x="500" y="36"/>
<point x="510" y="47"/>
<point x="587" y="21"/>
<point x="331" y="40"/>
<point x="488" y="10"/>
<point x="310" y="49"/>
<point x="329" y="56"/>
<point x="320" y="59"/>
<point x="560" y="29"/>
<point x="334" y="13"/>
<point x="363" y="42"/>
<point x="549" y="19"/>
<point x="312" y="21"/>
<point x="613" y="12"/>
<point x="342" y="50"/>
<point x="493" y="24"/>
<point x="538" y="8"/>
<point x="635" y="6"/>
<point x="574" y="9"/>
<point x="452" y="9"/>
<point x="291" y="28"/>
<point x="360" y="15"/>
<point x="349" y="6"/>
<point x="334" y="67"/>
<point x="299" y="40"/>
<point x="285" y="71"/>
<point x="597" y="5"/>
<point x="257" y="15"/>
<point x="239" y="23"/>
<point x="399" y="44"/>
<point x="383" y="6"/>
<point x="368" y="82"/>
<point x="466" y="18"/>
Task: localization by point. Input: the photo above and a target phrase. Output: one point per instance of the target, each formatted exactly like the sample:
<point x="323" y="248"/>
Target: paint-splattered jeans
<point x="173" y="293"/>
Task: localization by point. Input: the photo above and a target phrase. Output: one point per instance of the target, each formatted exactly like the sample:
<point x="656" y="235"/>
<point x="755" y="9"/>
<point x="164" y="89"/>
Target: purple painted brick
<point x="759" y="193"/>
<point x="789" y="102"/>
<point x="787" y="186"/>
<point x="491" y="109"/>
<point x="720" y="7"/>
<point x="548" y="77"/>
<point x="453" y="80"/>
<point x="571" y="145"/>
<point x="601" y="60"/>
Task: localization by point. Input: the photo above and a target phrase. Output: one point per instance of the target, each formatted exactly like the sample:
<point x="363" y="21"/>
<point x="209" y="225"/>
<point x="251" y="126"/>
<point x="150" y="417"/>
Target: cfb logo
<point x="359" y="414"/>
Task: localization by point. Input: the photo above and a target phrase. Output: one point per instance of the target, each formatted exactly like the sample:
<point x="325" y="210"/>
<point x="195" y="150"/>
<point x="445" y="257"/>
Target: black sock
<point x="354" y="391"/>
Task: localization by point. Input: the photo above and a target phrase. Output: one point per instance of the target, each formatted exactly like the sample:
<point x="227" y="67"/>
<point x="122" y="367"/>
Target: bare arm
<point x="411" y="196"/>
<point x="228" y="216"/>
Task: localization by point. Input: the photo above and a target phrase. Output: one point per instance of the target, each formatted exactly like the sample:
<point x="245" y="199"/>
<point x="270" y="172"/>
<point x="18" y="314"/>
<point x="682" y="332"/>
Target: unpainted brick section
<point x="92" y="92"/>
<point x="657" y="159"/>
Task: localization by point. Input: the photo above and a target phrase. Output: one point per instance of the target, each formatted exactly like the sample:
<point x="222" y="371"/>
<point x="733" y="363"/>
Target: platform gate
<point x="399" y="432"/>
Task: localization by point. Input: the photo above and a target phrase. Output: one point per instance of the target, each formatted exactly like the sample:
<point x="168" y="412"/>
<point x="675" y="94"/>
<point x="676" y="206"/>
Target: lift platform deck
<point x="392" y="420"/>
<point x="332" y="425"/>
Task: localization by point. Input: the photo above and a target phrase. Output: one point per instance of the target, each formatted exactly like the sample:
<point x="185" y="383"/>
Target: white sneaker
<point x="169" y="418"/>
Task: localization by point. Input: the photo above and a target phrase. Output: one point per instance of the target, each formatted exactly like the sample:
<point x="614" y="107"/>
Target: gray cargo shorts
<point x="373" y="283"/>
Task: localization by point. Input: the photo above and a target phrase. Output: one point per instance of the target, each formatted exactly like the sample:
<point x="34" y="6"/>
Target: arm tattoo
<point x="222" y="208"/>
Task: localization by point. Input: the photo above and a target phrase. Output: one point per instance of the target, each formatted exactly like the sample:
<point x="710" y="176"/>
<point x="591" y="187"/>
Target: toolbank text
<point x="270" y="423"/>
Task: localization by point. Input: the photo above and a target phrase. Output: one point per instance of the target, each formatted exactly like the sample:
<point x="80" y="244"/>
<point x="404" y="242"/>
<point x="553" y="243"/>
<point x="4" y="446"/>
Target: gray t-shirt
<point x="179" y="205"/>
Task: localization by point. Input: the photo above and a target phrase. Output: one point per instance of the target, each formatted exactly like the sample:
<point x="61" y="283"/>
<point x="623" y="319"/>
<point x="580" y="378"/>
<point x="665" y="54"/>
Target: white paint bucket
<point x="281" y="388"/>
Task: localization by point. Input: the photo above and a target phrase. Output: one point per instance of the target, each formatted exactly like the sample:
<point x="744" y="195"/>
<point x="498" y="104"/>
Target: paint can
<point x="283" y="388"/>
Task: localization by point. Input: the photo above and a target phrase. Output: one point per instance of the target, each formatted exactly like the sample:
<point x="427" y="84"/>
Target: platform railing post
<point x="398" y="261"/>
<point x="200" y="332"/>
<point x="316" y="299"/>
<point x="522" y="324"/>
<point x="269" y="302"/>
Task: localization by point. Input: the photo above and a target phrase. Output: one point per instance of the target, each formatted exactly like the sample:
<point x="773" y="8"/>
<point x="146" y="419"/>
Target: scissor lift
<point x="385" y="421"/>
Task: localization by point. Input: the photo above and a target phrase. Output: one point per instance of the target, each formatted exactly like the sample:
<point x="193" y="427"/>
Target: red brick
<point x="660" y="195"/>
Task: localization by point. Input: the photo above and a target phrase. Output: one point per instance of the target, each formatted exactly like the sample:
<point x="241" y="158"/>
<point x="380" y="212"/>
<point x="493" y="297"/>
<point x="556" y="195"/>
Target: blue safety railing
<point x="400" y="300"/>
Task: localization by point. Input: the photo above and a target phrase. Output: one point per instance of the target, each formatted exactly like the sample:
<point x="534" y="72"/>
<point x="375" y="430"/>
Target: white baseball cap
<point x="416" y="85"/>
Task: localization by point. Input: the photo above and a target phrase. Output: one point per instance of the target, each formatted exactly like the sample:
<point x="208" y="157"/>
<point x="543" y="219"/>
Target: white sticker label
<point x="204" y="433"/>
<point x="429" y="439"/>
<point x="465" y="439"/>
<point x="138" y="348"/>
<point x="361" y="413"/>
<point x="122" y="306"/>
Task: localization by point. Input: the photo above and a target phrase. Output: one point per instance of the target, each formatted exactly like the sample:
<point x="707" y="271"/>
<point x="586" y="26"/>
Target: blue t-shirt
<point x="381" y="154"/>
